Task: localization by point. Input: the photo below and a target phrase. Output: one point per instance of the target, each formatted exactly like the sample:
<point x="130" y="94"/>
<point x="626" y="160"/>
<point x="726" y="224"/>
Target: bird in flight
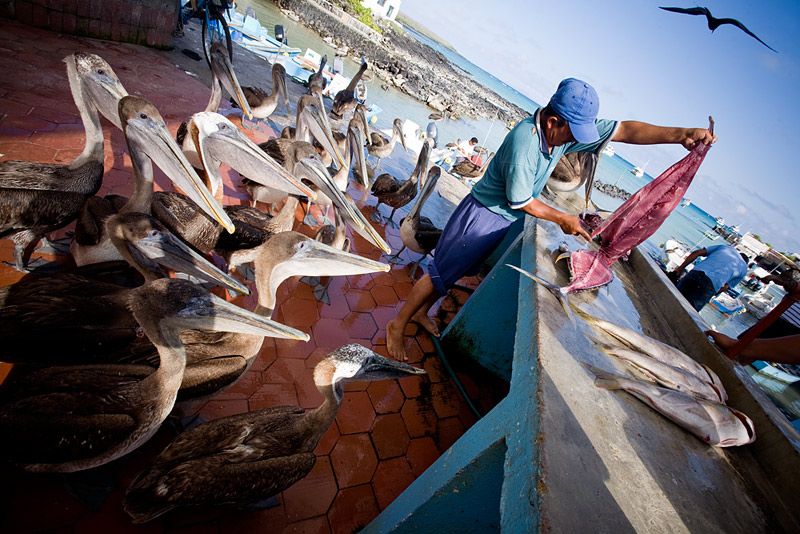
<point x="714" y="23"/>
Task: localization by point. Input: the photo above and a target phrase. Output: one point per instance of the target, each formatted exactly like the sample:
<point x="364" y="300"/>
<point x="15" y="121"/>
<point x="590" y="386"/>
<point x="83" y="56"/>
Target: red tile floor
<point x="386" y="433"/>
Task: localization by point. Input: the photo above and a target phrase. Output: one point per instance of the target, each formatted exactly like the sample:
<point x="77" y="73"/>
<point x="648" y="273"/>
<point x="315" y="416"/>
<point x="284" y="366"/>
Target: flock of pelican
<point x="133" y="328"/>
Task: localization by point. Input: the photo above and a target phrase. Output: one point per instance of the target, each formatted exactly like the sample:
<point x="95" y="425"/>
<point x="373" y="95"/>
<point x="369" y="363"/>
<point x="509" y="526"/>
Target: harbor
<point x="496" y="425"/>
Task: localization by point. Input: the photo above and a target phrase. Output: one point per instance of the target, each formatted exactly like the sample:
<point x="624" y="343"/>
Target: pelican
<point x="317" y="81"/>
<point x="345" y="100"/>
<point x="264" y="104"/>
<point x="392" y="192"/>
<point x="37" y="198"/>
<point x="380" y="147"/>
<point x="67" y="419"/>
<point x="85" y="314"/>
<point x="148" y="140"/>
<point x="244" y="459"/>
<point x="217" y="141"/>
<point x="217" y="360"/>
<point x="418" y="233"/>
<point x="222" y="74"/>
<point x="466" y="169"/>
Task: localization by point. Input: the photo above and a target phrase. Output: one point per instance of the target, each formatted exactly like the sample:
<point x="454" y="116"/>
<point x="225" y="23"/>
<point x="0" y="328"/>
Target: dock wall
<point x="145" y="22"/>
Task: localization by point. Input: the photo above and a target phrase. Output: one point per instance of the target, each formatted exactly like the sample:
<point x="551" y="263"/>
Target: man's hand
<point x="721" y="340"/>
<point x="697" y="135"/>
<point x="571" y="225"/>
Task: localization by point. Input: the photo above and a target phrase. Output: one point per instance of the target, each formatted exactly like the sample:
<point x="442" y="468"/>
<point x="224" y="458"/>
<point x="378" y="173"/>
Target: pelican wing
<point x="49" y="177"/>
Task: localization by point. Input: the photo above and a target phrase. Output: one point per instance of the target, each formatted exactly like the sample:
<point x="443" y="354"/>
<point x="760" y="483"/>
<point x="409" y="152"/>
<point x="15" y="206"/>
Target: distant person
<point x="788" y="323"/>
<point x="510" y="189"/>
<point x="466" y="148"/>
<point x="723" y="268"/>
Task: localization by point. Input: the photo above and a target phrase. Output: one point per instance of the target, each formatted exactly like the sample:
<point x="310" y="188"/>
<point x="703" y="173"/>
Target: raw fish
<point x="712" y="422"/>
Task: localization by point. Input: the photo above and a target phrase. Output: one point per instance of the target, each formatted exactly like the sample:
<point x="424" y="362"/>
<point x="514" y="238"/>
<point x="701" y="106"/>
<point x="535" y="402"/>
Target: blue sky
<point x="665" y="68"/>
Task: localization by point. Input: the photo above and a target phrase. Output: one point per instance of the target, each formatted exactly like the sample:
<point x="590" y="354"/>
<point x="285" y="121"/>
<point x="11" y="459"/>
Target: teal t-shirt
<point x="521" y="167"/>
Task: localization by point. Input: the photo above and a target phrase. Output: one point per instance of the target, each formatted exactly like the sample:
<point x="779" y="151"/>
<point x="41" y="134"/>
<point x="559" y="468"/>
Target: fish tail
<point x="561" y="295"/>
<point x="603" y="379"/>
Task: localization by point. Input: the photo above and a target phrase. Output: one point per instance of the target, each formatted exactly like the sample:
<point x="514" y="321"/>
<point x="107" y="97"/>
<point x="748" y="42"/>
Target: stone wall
<point x="146" y="22"/>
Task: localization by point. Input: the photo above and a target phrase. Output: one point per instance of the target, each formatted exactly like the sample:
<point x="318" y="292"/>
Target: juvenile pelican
<point x="345" y="100"/>
<point x="264" y="104"/>
<point x="37" y="198"/>
<point x="392" y="192"/>
<point x="66" y="419"/>
<point x="418" y="232"/>
<point x="380" y="147"/>
<point x="244" y="459"/>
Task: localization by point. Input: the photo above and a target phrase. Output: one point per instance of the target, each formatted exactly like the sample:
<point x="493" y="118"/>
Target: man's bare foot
<point x="394" y="341"/>
<point x="422" y="319"/>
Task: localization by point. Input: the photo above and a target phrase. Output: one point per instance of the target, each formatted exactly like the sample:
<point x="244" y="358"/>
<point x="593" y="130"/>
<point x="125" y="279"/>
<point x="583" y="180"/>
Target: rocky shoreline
<point x="611" y="190"/>
<point x="412" y="67"/>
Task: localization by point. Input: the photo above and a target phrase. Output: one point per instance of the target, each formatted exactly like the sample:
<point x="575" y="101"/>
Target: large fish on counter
<point x="712" y="422"/>
<point x="662" y="373"/>
<point x="657" y="350"/>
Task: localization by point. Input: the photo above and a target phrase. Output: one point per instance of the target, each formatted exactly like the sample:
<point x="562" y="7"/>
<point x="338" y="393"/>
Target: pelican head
<point x="292" y="254"/>
<point x="146" y="132"/>
<point x="356" y="362"/>
<point x="100" y="83"/>
<point x="153" y="249"/>
<point x="223" y="70"/>
<point x="313" y="170"/>
<point x="397" y="126"/>
<point x="176" y="304"/>
<point x="219" y="141"/>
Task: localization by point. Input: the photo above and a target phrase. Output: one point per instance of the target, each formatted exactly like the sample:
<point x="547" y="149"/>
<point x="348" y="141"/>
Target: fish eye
<point x="142" y="115"/>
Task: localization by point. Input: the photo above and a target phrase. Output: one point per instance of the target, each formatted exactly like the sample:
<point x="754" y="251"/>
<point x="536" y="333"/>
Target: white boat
<point x="248" y="33"/>
<point x="727" y="304"/>
<point x="675" y="253"/>
<point x="639" y="171"/>
<point x="686" y="202"/>
<point x="720" y="221"/>
<point x="608" y="150"/>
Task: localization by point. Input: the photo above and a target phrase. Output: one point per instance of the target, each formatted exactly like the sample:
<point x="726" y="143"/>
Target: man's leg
<point x="419" y="301"/>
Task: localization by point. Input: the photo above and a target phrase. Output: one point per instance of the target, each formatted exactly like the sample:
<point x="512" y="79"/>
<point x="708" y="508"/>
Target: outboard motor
<point x="280" y="34"/>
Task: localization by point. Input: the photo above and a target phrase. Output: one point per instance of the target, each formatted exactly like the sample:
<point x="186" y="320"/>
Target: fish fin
<point x="716" y="384"/>
<point x="603" y="379"/>
<point x="561" y="296"/>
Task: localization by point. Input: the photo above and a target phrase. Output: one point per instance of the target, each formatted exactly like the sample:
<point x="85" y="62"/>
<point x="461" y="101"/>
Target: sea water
<point x="688" y="224"/>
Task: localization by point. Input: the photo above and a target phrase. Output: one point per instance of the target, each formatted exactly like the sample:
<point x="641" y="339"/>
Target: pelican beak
<point x="162" y="247"/>
<point x="154" y="140"/>
<point x="223" y="69"/>
<point x="317" y="259"/>
<point x="285" y="93"/>
<point x="380" y="368"/>
<point x="315" y="171"/>
<point x="213" y="313"/>
<point x="362" y="118"/>
<point x="317" y="122"/>
<point x="220" y="141"/>
<point x="357" y="147"/>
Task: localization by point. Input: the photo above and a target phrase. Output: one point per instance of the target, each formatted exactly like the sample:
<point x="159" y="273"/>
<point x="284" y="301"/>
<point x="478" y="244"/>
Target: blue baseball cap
<point x="577" y="102"/>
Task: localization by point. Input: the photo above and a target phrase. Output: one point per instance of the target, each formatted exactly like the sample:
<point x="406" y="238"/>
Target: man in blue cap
<point x="510" y="188"/>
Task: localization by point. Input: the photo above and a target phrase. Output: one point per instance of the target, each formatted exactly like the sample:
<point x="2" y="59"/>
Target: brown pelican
<point x="37" y="198"/>
<point x="417" y="232"/>
<point x="148" y="140"/>
<point x="392" y="192"/>
<point x="264" y="104"/>
<point x="85" y="313"/>
<point x="317" y="81"/>
<point x="222" y="74"/>
<point x="66" y="419"/>
<point x="217" y="360"/>
<point x="466" y="169"/>
<point x="217" y="141"/>
<point x="345" y="100"/>
<point x="380" y="147"/>
<point x="244" y="459"/>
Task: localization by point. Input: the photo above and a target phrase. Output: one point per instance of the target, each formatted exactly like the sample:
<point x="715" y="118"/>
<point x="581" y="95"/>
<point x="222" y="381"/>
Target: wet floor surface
<point x="386" y="434"/>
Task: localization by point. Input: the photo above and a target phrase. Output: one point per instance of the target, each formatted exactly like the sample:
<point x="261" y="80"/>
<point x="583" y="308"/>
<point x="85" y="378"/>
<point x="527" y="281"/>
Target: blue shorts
<point x="470" y="236"/>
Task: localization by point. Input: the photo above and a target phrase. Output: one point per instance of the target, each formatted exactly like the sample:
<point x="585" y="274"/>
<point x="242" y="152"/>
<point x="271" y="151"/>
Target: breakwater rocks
<point x="611" y="190"/>
<point x="412" y="67"/>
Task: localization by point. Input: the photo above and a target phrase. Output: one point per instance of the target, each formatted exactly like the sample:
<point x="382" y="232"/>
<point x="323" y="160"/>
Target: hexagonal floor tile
<point x="360" y="300"/>
<point x="355" y="413"/>
<point x="353" y="460"/>
<point x="420" y="418"/>
<point x="313" y="494"/>
<point x="391" y="478"/>
<point x="360" y="325"/>
<point x="353" y="509"/>
<point x="421" y="453"/>
<point x="389" y="435"/>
